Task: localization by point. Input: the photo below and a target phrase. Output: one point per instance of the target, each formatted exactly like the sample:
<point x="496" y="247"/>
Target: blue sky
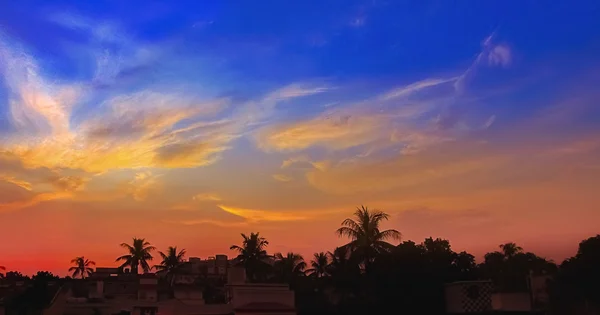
<point x="245" y="115"/>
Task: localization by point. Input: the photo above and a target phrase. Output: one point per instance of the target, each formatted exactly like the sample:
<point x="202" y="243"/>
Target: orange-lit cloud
<point x="282" y="177"/>
<point x="21" y="183"/>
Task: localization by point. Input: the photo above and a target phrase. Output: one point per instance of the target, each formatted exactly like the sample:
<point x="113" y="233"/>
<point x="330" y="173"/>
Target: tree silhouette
<point x="319" y="264"/>
<point x="576" y="289"/>
<point x="367" y="240"/>
<point x="139" y="254"/>
<point x="290" y="266"/>
<point x="344" y="273"/>
<point x="2" y="274"/>
<point x="171" y="262"/>
<point x="253" y="256"/>
<point x="510" y="249"/>
<point x="15" y="276"/>
<point x="82" y="267"/>
<point x="44" y="277"/>
<point x="510" y="268"/>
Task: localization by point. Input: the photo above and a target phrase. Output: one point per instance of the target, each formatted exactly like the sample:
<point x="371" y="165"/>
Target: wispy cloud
<point x="207" y="196"/>
<point x="143" y="184"/>
<point x="21" y="183"/>
<point x="256" y="215"/>
<point x="282" y="177"/>
<point x="39" y="198"/>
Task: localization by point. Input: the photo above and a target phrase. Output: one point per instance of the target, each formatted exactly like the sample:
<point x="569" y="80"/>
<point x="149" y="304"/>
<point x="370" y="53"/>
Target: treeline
<point x="370" y="275"/>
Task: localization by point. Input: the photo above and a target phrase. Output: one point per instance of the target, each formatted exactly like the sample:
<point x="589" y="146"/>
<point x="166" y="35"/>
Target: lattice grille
<point x="477" y="297"/>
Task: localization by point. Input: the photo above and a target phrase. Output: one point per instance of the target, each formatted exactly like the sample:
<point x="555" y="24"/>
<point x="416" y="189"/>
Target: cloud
<point x="143" y="185"/>
<point x="339" y="132"/>
<point x="69" y="183"/>
<point x="208" y="196"/>
<point x="491" y="54"/>
<point x="391" y="119"/>
<point x="189" y="154"/>
<point x="294" y="91"/>
<point x="282" y="177"/>
<point x="207" y="221"/>
<point x="21" y="183"/>
<point x="500" y="55"/>
<point x="255" y="215"/>
<point x="304" y="160"/>
<point x="407" y="171"/>
<point x="415" y="87"/>
<point x="39" y="198"/>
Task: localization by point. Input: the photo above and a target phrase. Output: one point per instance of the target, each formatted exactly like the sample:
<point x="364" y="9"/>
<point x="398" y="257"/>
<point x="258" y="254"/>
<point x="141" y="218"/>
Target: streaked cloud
<point x="257" y="215"/>
<point x="21" y="183"/>
<point x="282" y="178"/>
<point x="207" y="196"/>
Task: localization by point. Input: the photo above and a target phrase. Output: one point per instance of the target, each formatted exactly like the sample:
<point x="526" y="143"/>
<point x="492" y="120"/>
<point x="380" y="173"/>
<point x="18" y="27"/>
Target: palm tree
<point x="319" y="265"/>
<point x="344" y="271"/>
<point x="139" y="254"/>
<point x="171" y="262"/>
<point x="289" y="266"/>
<point x="510" y="249"/>
<point x="252" y="255"/>
<point x="82" y="268"/>
<point x="367" y="240"/>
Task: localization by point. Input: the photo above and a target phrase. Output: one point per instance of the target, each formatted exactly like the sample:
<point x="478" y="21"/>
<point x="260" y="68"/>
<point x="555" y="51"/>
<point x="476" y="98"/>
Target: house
<point x="258" y="298"/>
<point x="468" y="297"/>
<point x="109" y="292"/>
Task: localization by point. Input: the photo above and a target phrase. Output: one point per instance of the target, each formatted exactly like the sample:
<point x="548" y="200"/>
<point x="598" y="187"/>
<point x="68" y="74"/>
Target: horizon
<point x="187" y="124"/>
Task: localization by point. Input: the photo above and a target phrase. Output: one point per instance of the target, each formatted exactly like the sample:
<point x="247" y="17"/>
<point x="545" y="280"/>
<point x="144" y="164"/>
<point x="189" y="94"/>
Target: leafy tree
<point x="367" y="240"/>
<point x="576" y="289"/>
<point x="510" y="268"/>
<point x="44" y="277"/>
<point x="253" y="256"/>
<point x="82" y="267"/>
<point x="15" y="276"/>
<point x="465" y="265"/>
<point x="139" y="253"/>
<point x="319" y="264"/>
<point x="289" y="267"/>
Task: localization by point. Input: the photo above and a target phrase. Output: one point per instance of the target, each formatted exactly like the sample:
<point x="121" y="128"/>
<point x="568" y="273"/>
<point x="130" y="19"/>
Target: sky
<point x="188" y="123"/>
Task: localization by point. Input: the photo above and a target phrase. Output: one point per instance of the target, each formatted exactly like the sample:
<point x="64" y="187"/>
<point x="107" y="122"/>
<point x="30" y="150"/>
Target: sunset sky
<point x="187" y="123"/>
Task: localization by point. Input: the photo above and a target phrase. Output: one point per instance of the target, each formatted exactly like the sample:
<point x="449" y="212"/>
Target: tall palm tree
<point x="82" y="268"/>
<point x="252" y="255"/>
<point x="289" y="266"/>
<point x="139" y="254"/>
<point x="367" y="240"/>
<point x="319" y="265"/>
<point x="510" y="249"/>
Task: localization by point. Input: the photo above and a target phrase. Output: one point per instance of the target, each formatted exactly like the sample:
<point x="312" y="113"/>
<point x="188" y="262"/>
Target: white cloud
<point x="500" y="55"/>
<point x="414" y="87"/>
